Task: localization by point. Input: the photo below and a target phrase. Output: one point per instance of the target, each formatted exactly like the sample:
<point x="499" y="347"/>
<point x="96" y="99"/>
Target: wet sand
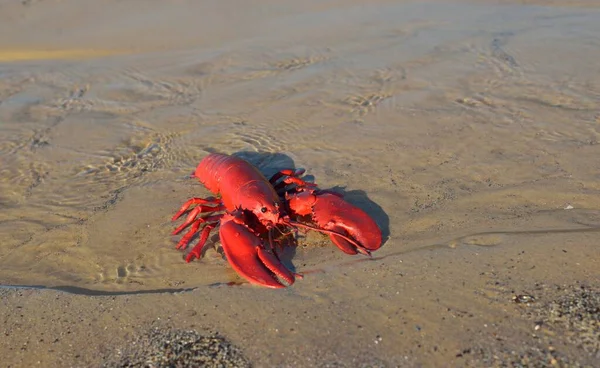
<point x="469" y="131"/>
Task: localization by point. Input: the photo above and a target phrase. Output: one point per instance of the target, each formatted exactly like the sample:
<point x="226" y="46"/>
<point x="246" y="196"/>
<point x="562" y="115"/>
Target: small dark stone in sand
<point x="570" y="314"/>
<point x="526" y="356"/>
<point x="177" y="348"/>
<point x="575" y="315"/>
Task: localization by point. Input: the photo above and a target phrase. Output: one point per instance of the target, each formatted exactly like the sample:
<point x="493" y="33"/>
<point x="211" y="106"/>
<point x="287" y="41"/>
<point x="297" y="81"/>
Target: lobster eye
<point x="263" y="210"/>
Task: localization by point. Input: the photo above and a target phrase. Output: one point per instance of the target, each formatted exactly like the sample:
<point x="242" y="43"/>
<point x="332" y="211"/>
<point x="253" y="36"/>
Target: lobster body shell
<point x="240" y="185"/>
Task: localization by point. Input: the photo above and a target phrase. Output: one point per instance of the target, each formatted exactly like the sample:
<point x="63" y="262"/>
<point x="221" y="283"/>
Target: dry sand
<point x="469" y="131"/>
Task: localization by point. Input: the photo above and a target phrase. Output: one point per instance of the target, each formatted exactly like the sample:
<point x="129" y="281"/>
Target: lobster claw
<point x="249" y="257"/>
<point x="359" y="232"/>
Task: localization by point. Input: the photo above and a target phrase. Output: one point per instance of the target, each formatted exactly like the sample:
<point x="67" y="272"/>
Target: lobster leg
<point x="290" y="177"/>
<point x="197" y="250"/>
<point x="285" y="172"/>
<point x="249" y="257"/>
<point x="194" y="213"/>
<point x="183" y="242"/>
<point x="192" y="201"/>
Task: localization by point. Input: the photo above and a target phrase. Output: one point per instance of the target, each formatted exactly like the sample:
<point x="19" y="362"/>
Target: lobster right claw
<point x="249" y="258"/>
<point x="352" y="230"/>
<point x="348" y="220"/>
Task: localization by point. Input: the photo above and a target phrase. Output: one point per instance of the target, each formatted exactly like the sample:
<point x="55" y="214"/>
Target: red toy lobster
<point x="254" y="206"/>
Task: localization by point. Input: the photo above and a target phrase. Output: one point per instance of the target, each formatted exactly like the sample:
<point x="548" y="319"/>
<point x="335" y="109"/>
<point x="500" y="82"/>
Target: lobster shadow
<point x="270" y="163"/>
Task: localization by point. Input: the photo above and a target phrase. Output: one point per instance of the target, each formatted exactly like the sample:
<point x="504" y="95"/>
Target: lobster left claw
<point x="350" y="228"/>
<point x="248" y="256"/>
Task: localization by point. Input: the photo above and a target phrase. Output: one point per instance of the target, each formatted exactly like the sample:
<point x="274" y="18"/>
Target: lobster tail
<point x="213" y="168"/>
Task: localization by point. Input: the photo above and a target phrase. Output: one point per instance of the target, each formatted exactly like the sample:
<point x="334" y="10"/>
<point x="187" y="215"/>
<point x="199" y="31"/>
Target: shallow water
<point x="468" y="131"/>
<point x="442" y="120"/>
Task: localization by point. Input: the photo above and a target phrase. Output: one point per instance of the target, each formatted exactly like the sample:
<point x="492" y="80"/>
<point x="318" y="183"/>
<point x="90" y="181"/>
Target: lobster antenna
<point x="282" y="233"/>
<point x="271" y="239"/>
<point x="360" y="248"/>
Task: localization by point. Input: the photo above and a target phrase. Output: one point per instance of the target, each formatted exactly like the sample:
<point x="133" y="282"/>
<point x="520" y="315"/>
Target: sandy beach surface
<point x="469" y="131"/>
